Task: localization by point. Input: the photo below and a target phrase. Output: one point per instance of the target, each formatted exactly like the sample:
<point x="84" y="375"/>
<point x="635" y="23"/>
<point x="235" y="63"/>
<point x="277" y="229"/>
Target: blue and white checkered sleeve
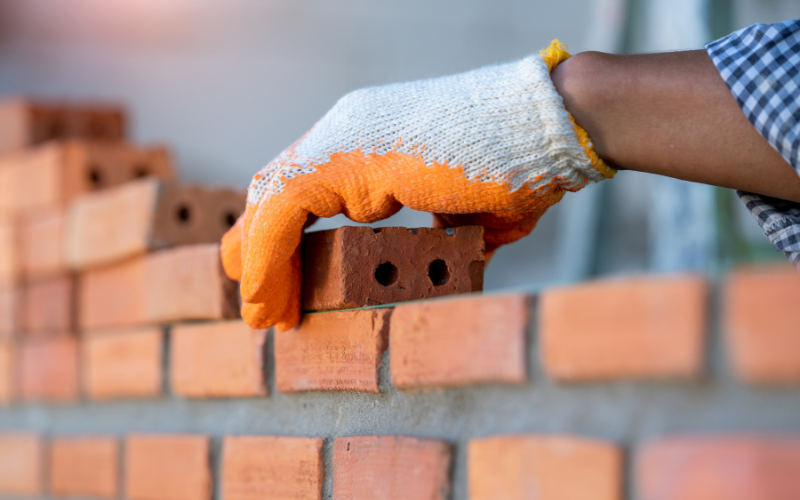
<point x="761" y="66"/>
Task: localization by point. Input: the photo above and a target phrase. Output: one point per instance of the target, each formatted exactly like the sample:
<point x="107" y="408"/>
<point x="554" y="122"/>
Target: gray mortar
<point x="627" y="413"/>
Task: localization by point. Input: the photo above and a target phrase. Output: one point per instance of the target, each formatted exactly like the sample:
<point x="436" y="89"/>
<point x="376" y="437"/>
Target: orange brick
<point x="48" y="369"/>
<point x="7" y="372"/>
<point x="41" y="235"/>
<point x="272" y="468"/>
<point x="185" y="283"/>
<point x="83" y="466"/>
<point x="125" y="363"/>
<point x="761" y="327"/>
<point x="544" y="467"/>
<point x="20" y="464"/>
<point x="459" y="341"/>
<point x="643" y="327"/>
<point x="9" y="253"/>
<point x="338" y="351"/>
<point x="167" y="467"/>
<point x="48" y="306"/>
<point x="220" y="359"/>
<point x="727" y="467"/>
<point x="390" y="468"/>
<point x="10" y="323"/>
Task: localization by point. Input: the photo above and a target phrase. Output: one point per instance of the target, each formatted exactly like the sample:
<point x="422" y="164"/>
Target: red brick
<point x="10" y="269"/>
<point x="727" y="467"/>
<point x="220" y="359"/>
<point x="48" y="306"/>
<point x="84" y="466"/>
<point x="41" y="235"/>
<point x="7" y="372"/>
<point x="10" y="322"/>
<point x="26" y="122"/>
<point x="48" y="369"/>
<point x="459" y="341"/>
<point x="338" y="351"/>
<point x="361" y="266"/>
<point x="390" y="468"/>
<point x="21" y="460"/>
<point x="518" y="467"/>
<point x="167" y="467"/>
<point x="53" y="174"/>
<point x="761" y="329"/>
<point x="124" y="363"/>
<point x="272" y="468"/>
<point x="642" y="327"/>
<point x="128" y="220"/>
<point x="185" y="283"/>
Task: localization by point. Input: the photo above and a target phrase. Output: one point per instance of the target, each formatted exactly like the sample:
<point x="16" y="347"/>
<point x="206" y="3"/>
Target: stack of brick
<point x="413" y="395"/>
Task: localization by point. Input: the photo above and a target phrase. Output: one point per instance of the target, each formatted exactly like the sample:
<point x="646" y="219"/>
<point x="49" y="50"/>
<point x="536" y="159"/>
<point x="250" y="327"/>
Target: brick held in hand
<point x="131" y="219"/>
<point x="167" y="467"/>
<point x="360" y="266"/>
<point x="21" y="463"/>
<point x="55" y="173"/>
<point x="41" y="240"/>
<point x="48" y="306"/>
<point x="26" y="122"/>
<point x="179" y="284"/>
<point x="84" y="466"/>
<point x="48" y="369"/>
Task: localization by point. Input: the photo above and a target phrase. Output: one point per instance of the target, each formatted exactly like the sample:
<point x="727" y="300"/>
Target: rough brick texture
<point x="41" y="236"/>
<point x="338" y="351"/>
<point x="10" y="268"/>
<point x="27" y="122"/>
<point x="519" y="467"/>
<point x="167" y="467"/>
<point x="128" y="220"/>
<point x="8" y="372"/>
<point x="125" y="363"/>
<point x="83" y="466"/>
<point x="720" y="468"/>
<point x="220" y="359"/>
<point x="185" y="283"/>
<point x="459" y="341"/>
<point x="48" y="369"/>
<point x="272" y="468"/>
<point x="390" y="468"/>
<point x="48" y="306"/>
<point x="361" y="266"/>
<point x="21" y="464"/>
<point x="643" y="327"/>
<point x="55" y="173"/>
<point x="10" y="322"/>
<point x="761" y="328"/>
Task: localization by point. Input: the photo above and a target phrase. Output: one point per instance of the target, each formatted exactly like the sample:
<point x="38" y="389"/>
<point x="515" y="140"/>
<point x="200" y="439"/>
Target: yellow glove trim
<point x="553" y="55"/>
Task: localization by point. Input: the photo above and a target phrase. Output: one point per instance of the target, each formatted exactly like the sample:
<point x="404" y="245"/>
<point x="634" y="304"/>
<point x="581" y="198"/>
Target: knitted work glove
<point x="493" y="146"/>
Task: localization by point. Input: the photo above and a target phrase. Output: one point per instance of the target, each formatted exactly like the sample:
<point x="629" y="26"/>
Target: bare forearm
<point x="671" y="114"/>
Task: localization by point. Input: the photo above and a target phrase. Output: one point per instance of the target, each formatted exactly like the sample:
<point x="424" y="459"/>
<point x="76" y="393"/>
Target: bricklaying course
<point x="126" y="373"/>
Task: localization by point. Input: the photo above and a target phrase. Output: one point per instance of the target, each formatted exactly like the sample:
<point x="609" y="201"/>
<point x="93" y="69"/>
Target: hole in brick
<point x="438" y="272"/>
<point x="140" y="171"/>
<point x="386" y="274"/>
<point x="95" y="177"/>
<point x="183" y="214"/>
<point x="229" y="218"/>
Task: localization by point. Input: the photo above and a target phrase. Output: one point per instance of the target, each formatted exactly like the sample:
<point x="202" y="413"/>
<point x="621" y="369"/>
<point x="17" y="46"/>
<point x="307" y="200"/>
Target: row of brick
<point x="647" y="328"/>
<point x="507" y="467"/>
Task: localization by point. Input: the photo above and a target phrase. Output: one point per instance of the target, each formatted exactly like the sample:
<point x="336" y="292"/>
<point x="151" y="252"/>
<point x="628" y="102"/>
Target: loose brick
<point x="338" y="351"/>
<point x="361" y="266"/>
<point x="131" y="219"/>
<point x="7" y="372"/>
<point x="55" y="173"/>
<point x="10" y="323"/>
<point x="185" y="283"/>
<point x="42" y="234"/>
<point x="48" y="369"/>
<point x="544" y="467"/>
<point x="459" y="341"/>
<point x="167" y="467"/>
<point x="390" y="468"/>
<point x="10" y="268"/>
<point x="272" y="468"/>
<point x="49" y="306"/>
<point x="645" y="327"/>
<point x="763" y="338"/>
<point x="124" y="363"/>
<point x="21" y="459"/>
<point x="84" y="466"/>
<point x="728" y="467"/>
<point x="221" y="359"/>
<point x="26" y="122"/>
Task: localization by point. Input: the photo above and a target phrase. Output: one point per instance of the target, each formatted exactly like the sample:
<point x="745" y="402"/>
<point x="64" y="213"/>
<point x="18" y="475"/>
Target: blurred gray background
<point x="229" y="84"/>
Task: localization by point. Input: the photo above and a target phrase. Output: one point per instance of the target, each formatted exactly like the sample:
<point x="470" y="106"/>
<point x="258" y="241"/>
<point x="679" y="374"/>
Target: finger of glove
<point x="499" y="228"/>
<point x="231" y="250"/>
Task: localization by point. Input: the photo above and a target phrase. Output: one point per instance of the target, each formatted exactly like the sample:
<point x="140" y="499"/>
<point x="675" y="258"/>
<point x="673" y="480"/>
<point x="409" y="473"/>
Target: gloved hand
<point x="493" y="146"/>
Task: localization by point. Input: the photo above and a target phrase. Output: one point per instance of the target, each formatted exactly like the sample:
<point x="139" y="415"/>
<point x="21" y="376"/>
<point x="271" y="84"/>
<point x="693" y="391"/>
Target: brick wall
<point x="138" y="381"/>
